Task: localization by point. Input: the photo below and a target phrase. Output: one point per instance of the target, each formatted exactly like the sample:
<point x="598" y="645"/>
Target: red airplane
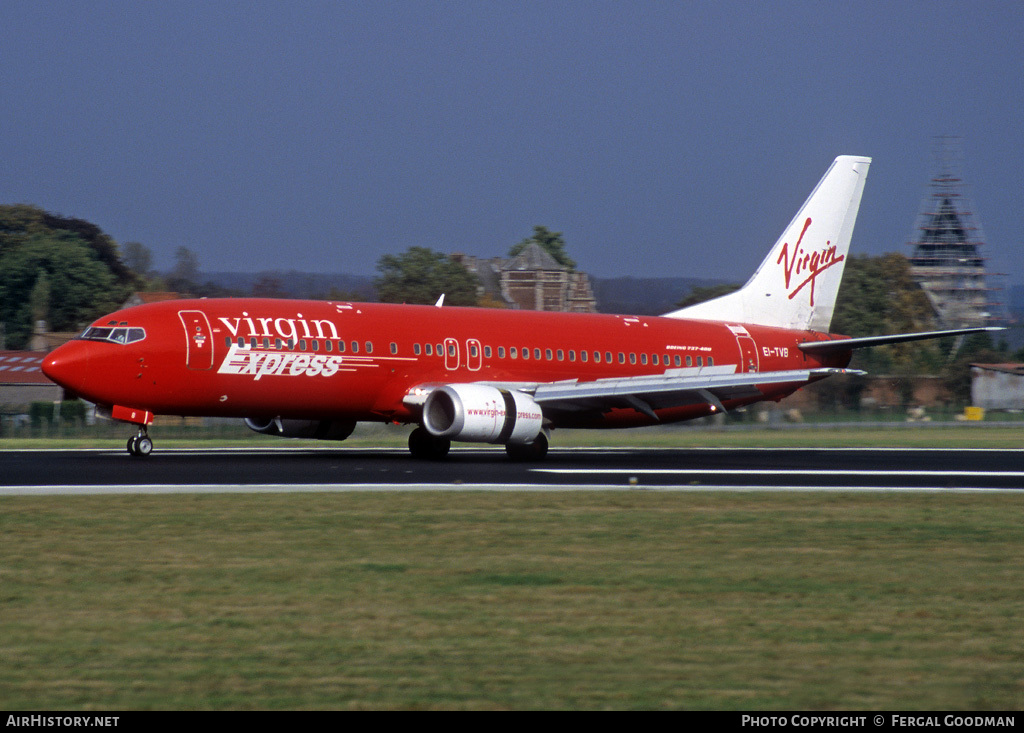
<point x="313" y="369"/>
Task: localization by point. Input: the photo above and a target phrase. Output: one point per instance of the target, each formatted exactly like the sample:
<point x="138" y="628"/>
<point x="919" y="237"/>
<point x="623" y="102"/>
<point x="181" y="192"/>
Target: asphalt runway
<point x="354" y="469"/>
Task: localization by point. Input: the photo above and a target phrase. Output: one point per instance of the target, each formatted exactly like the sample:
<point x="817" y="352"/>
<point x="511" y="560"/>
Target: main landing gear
<point x="535" y="451"/>
<point x="140" y="445"/>
<point x="429" y="447"/>
<point x="425" y="446"/>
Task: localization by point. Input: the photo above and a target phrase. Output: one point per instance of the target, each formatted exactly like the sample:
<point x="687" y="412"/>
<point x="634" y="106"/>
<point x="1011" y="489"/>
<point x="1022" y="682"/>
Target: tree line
<point x="60" y="270"/>
<point x="66" y="272"/>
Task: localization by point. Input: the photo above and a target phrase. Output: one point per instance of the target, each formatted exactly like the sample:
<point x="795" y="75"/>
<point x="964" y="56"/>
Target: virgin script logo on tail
<point x="801" y="263"/>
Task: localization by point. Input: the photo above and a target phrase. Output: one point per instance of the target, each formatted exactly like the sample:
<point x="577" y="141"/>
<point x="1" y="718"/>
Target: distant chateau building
<point x="532" y="280"/>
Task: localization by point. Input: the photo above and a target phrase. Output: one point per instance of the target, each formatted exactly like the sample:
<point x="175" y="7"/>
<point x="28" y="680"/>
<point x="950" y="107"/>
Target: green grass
<point x="475" y="600"/>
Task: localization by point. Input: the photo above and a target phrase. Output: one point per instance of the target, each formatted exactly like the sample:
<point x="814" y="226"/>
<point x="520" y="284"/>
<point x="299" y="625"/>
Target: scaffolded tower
<point x="947" y="260"/>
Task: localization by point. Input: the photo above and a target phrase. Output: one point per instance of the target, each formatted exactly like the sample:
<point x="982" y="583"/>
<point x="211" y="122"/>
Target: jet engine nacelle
<point x="480" y="414"/>
<point x="318" y="429"/>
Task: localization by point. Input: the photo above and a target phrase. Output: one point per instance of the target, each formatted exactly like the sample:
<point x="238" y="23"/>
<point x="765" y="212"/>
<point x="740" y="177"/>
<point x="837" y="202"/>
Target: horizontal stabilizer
<point x="836" y="345"/>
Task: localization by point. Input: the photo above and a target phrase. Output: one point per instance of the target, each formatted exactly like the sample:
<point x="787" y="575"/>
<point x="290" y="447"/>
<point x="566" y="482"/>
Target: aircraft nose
<point x="66" y="365"/>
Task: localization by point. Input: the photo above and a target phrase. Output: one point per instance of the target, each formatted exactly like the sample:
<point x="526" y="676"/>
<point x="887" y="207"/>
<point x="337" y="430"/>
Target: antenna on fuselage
<point x="440" y="301"/>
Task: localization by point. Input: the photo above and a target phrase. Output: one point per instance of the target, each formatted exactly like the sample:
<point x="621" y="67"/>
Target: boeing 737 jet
<point x="313" y="369"/>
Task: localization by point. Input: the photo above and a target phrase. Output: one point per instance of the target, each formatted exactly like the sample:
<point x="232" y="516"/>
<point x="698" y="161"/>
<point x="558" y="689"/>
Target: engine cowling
<point x="317" y="429"/>
<point x="481" y="414"/>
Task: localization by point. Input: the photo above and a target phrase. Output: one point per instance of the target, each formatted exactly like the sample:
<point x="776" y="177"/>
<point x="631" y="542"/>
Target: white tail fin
<point x="797" y="284"/>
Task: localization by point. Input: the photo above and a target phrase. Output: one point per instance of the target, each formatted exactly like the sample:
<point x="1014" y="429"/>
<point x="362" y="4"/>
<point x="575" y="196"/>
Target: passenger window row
<point x="329" y="345"/>
<point x="537" y="354"/>
<point x="450" y="349"/>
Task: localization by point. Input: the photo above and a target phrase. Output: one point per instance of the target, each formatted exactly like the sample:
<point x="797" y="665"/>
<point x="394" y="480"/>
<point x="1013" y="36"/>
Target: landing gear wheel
<point x="140" y="445"/>
<point x="535" y="451"/>
<point x="425" y="446"/>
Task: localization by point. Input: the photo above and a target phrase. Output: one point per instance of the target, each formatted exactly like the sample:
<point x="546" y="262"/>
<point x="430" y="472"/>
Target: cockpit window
<point x="115" y="335"/>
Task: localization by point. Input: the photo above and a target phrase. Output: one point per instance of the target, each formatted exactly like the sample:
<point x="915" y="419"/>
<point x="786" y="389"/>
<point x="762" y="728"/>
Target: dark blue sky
<point x="662" y="138"/>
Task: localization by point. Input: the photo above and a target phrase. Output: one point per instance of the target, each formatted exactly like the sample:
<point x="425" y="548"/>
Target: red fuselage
<point x="358" y="361"/>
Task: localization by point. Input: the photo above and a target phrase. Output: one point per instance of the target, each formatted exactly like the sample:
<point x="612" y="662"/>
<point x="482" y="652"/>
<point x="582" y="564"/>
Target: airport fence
<point x="77" y="420"/>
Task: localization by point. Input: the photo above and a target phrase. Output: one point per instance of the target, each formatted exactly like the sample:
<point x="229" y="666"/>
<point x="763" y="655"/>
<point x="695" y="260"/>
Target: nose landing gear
<point x="141" y="444"/>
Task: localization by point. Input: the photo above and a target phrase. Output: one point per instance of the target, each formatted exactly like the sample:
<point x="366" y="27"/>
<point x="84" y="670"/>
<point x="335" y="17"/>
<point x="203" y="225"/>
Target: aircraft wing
<point x="675" y="388"/>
